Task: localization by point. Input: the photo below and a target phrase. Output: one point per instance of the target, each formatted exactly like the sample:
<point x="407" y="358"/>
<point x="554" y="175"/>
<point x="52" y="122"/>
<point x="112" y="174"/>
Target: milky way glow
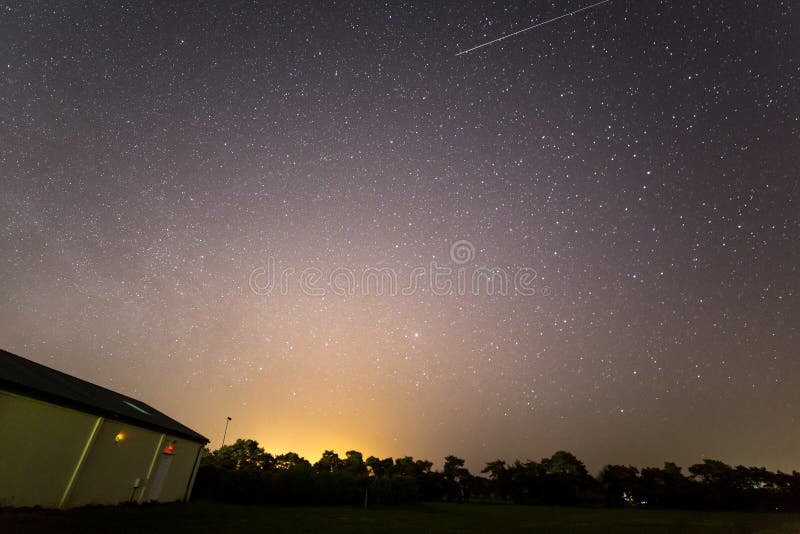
<point x="321" y="222"/>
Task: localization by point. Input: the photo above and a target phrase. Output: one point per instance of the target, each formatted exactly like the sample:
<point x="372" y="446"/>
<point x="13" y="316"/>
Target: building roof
<point x="31" y="379"/>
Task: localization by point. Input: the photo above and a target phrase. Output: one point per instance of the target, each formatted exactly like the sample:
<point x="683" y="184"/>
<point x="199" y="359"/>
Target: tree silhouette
<point x="501" y="478"/>
<point x="406" y="467"/>
<point x="244" y="473"/>
<point x="354" y="463"/>
<point x="291" y="460"/>
<point x="328" y="463"/>
<point x="379" y="467"/>
<point x="620" y="484"/>
<point x="456" y="478"/>
<point x="564" y="463"/>
<point x="243" y="454"/>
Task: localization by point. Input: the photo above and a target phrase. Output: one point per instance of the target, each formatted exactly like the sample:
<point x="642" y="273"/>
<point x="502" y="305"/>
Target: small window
<point x="132" y="405"/>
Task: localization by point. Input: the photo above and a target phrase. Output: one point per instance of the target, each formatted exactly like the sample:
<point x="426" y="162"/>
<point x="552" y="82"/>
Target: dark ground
<point x="202" y="517"/>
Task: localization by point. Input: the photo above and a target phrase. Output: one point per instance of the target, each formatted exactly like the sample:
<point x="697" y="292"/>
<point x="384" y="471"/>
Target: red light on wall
<point x="170" y="449"/>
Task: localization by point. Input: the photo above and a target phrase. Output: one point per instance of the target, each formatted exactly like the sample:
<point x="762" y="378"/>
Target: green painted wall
<point x="111" y="467"/>
<point x="40" y="446"/>
<point x="180" y="470"/>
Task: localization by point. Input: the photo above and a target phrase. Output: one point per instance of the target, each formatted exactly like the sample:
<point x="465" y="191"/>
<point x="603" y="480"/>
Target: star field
<point x="641" y="157"/>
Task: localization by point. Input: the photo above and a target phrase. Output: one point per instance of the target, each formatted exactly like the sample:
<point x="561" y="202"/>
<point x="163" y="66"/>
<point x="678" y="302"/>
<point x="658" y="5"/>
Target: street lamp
<point x="226" y="432"/>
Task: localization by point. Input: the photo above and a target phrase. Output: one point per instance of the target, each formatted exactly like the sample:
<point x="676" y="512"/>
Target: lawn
<point x="202" y="517"/>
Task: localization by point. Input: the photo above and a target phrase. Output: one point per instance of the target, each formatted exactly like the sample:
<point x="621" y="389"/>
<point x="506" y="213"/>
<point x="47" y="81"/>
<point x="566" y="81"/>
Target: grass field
<point x="200" y="517"/>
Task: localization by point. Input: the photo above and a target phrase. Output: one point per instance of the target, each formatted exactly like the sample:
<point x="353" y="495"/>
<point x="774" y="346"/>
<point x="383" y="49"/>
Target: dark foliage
<point x="244" y="473"/>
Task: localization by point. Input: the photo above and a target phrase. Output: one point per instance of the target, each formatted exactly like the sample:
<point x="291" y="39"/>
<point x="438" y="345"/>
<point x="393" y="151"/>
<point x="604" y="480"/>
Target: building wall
<point x="40" y="446"/>
<point x="180" y="471"/>
<point x="111" y="468"/>
<point x="45" y="449"/>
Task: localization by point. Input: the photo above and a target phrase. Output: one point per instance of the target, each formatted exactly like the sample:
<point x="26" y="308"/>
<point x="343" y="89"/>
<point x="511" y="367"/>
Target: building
<point x="67" y="442"/>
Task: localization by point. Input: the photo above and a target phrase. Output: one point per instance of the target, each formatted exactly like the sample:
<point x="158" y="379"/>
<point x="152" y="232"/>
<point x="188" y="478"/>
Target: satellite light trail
<point x="537" y="25"/>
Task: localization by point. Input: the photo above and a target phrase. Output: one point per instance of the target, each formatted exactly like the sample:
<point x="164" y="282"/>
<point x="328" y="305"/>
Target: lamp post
<point x="226" y="432"/>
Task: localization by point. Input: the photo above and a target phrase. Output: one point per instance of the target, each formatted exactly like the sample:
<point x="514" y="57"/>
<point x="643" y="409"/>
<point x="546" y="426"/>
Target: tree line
<point x="244" y="473"/>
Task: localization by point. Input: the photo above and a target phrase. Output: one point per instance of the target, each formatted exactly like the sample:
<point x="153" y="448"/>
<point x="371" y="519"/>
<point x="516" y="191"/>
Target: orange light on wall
<point x="119" y="437"/>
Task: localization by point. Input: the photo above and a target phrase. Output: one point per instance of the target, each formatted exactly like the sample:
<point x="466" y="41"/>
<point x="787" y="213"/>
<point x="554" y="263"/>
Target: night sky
<point x="637" y="163"/>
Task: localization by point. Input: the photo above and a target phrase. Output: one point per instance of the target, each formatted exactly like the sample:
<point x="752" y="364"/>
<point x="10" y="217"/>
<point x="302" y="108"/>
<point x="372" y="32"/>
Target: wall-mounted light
<point x="170" y="449"/>
<point x="119" y="437"/>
